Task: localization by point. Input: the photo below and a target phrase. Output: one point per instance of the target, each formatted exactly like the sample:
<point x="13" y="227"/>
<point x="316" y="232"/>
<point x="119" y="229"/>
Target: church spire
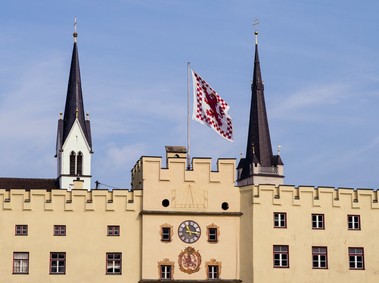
<point x="74" y="108"/>
<point x="259" y="160"/>
<point x="74" y="142"/>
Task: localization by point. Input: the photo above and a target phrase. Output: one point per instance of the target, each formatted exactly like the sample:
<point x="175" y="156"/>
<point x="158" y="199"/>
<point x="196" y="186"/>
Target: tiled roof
<point x="28" y="183"/>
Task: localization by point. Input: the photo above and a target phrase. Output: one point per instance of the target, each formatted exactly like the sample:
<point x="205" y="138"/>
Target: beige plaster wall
<point x="86" y="216"/>
<point x="260" y="202"/>
<point x="197" y="195"/>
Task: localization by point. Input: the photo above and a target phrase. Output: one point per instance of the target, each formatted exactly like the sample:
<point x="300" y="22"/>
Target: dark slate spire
<point x="74" y="101"/>
<point x="259" y="148"/>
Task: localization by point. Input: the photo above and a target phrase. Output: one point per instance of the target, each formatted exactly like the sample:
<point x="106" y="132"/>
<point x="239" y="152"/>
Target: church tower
<point x="259" y="166"/>
<point x="74" y="143"/>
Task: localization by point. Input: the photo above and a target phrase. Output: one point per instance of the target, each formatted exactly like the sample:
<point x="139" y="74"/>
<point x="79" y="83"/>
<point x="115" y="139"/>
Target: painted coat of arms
<point x="189" y="260"/>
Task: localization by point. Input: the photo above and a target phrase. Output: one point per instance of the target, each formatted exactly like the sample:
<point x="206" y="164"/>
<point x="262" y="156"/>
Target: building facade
<point x="183" y="222"/>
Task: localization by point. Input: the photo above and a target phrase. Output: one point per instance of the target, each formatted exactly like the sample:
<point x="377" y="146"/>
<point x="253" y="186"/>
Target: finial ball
<point x="256" y="32"/>
<point x="75" y="34"/>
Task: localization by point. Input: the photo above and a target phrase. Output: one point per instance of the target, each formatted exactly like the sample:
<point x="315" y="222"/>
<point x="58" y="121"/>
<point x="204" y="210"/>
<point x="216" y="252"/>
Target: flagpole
<point x="188" y="117"/>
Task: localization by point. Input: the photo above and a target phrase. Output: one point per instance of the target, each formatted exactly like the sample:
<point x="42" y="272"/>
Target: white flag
<point x="210" y="109"/>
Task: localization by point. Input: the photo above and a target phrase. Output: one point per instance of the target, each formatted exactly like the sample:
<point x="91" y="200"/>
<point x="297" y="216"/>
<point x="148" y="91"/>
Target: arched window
<point x="72" y="163"/>
<point x="80" y="164"/>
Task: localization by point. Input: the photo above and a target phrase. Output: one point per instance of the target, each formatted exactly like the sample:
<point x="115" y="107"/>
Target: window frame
<point x="58" y="259"/>
<point x="166" y="272"/>
<point x="113" y="230"/>
<point x="59" y="230"/>
<point x="321" y="256"/>
<point x="353" y="222"/>
<point x="213" y="272"/>
<point x="316" y="221"/>
<point x="21" y="230"/>
<point x="166" y="232"/>
<point x="280" y="220"/>
<point x="21" y="261"/>
<point x="213" y="269"/>
<point x="213" y="233"/>
<point x="280" y="254"/>
<point x="113" y="258"/>
<point x="352" y="253"/>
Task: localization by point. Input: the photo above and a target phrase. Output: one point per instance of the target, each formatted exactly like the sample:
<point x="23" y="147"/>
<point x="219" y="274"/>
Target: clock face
<point x="189" y="231"/>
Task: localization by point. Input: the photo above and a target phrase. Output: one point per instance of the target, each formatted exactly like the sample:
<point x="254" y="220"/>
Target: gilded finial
<point x="75" y="34"/>
<point x="279" y="146"/>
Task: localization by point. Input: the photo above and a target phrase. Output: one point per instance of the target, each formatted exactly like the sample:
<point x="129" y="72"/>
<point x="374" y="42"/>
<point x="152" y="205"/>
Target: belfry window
<point x="72" y="163"/>
<point x="80" y="163"/>
<point x="76" y="163"/>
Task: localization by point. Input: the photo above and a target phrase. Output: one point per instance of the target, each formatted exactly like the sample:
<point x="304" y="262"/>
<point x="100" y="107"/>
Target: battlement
<point x="151" y="168"/>
<point x="65" y="200"/>
<point x="286" y="195"/>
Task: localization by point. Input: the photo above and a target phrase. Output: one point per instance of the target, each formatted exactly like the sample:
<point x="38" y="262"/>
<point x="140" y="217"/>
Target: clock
<point x="189" y="231"/>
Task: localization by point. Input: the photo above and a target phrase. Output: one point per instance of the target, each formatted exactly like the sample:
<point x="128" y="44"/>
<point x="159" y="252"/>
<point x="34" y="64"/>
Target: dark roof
<point x="74" y="102"/>
<point x="28" y="183"/>
<point x="258" y="149"/>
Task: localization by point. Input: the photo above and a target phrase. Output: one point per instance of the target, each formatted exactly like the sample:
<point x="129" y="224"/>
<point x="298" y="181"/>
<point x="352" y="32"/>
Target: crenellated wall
<point x="63" y="200"/>
<point x="86" y="216"/>
<point x="316" y="196"/>
<point x="298" y="205"/>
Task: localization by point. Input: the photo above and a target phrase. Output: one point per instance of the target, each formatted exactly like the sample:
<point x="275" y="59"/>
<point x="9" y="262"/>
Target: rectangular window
<point x="59" y="230"/>
<point x="354" y="222"/>
<point x="166" y="234"/>
<point x="165" y="271"/>
<point x="319" y="258"/>
<point x="57" y="263"/>
<point x="212" y="271"/>
<point x="356" y="258"/>
<point x="21" y="230"/>
<point x="20" y="263"/>
<point x="212" y="234"/>
<point x="281" y="256"/>
<point x="280" y="220"/>
<point x="318" y="221"/>
<point x="113" y="230"/>
<point x="114" y="263"/>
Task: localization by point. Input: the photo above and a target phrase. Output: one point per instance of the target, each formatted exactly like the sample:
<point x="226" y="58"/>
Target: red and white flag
<point x="210" y="109"/>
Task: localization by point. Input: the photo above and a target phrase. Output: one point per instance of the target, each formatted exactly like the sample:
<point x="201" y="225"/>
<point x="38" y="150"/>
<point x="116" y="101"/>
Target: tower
<point x="259" y="166"/>
<point x="74" y="143"/>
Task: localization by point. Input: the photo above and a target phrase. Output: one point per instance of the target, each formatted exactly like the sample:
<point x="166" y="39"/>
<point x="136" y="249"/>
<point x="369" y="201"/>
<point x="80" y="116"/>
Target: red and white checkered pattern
<point x="210" y="109"/>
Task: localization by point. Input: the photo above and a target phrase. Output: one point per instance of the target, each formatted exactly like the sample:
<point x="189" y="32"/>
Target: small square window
<point x="354" y="222"/>
<point x="59" y="230"/>
<point x="114" y="263"/>
<point x="113" y="230"/>
<point x="319" y="258"/>
<point x="281" y="256"/>
<point x="356" y="258"/>
<point x="280" y="220"/>
<point x="166" y="234"/>
<point x="20" y="263"/>
<point x="212" y="234"/>
<point x="57" y="263"/>
<point x="166" y="272"/>
<point x="213" y="272"/>
<point x="21" y="230"/>
<point x="318" y="221"/>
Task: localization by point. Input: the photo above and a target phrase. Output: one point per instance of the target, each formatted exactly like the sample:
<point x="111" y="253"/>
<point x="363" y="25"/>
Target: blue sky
<point x="319" y="60"/>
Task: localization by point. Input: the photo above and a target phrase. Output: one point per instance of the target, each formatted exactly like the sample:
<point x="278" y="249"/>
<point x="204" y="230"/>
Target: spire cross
<point x="75" y="34"/>
<point x="256" y="24"/>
